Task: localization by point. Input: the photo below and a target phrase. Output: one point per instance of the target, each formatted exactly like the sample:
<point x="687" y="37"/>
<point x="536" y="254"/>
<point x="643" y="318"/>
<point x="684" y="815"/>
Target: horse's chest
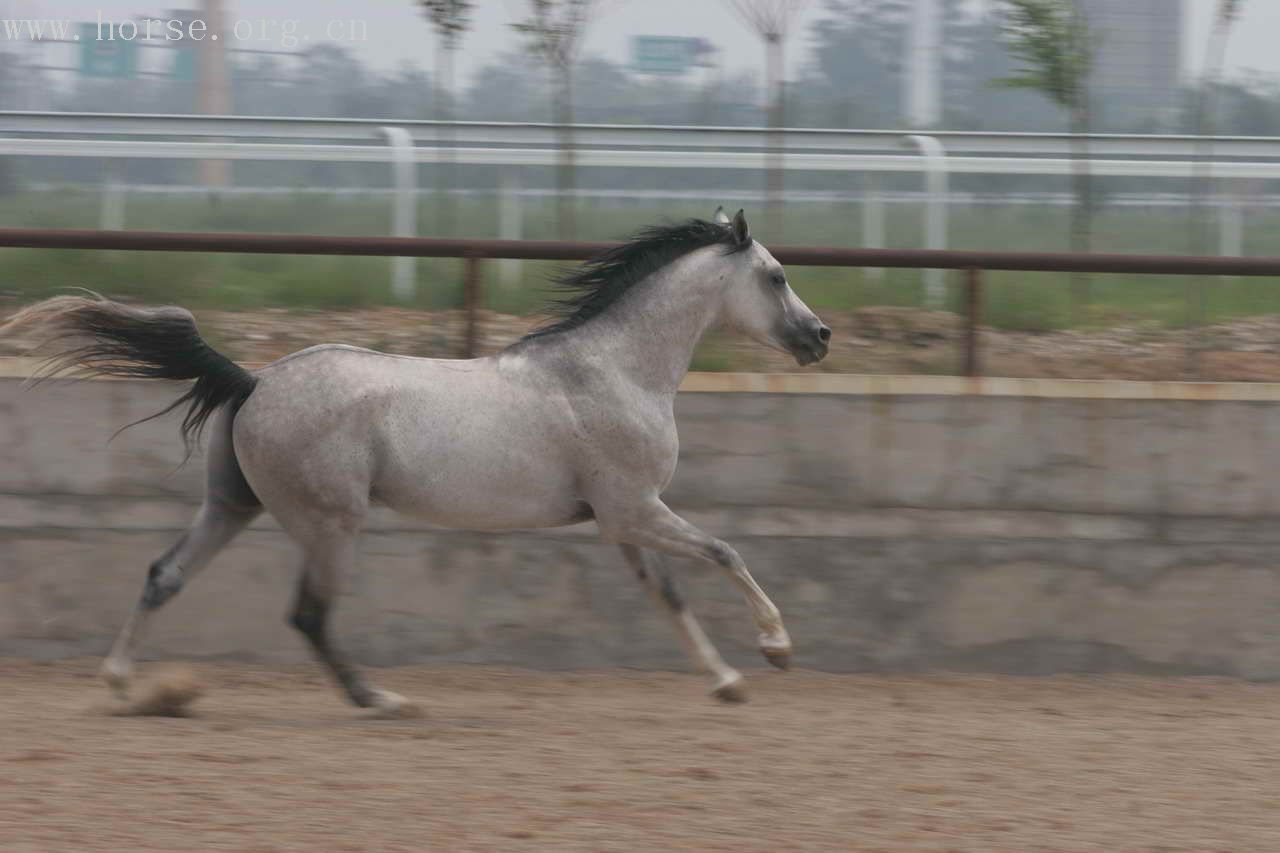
<point x="642" y="448"/>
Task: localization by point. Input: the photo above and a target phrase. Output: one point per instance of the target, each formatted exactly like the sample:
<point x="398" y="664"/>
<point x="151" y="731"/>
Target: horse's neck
<point x="651" y="337"/>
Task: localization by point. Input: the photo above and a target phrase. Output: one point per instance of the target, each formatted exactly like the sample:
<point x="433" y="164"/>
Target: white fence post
<point x="404" y="210"/>
<point x="872" y="222"/>
<point x="935" y="214"/>
<point x="1230" y="222"/>
<point x="111" y="211"/>
<point x="510" y="221"/>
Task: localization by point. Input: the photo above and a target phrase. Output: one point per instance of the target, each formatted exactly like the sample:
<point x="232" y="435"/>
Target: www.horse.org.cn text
<point x="286" y="33"/>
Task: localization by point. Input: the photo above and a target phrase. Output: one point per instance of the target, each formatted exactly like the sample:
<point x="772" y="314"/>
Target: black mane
<point x="601" y="281"/>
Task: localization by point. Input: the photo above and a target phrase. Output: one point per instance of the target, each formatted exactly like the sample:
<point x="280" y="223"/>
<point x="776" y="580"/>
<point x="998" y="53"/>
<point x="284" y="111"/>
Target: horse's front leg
<point x="726" y="682"/>
<point x="654" y="525"/>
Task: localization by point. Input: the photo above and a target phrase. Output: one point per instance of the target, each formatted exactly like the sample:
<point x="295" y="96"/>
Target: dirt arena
<point x="509" y="760"/>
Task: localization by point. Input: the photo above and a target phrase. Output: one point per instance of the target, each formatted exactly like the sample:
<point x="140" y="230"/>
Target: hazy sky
<point x="396" y="32"/>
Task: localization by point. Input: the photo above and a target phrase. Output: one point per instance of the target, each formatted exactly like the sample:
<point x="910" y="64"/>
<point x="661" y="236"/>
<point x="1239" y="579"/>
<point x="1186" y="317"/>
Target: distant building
<point x="1138" y="58"/>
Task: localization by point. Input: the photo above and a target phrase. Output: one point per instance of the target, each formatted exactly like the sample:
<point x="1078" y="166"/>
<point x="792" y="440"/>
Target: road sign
<point x="666" y="55"/>
<point x="104" y="53"/>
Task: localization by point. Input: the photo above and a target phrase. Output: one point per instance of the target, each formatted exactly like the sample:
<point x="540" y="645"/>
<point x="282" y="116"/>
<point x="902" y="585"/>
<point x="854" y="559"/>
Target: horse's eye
<point x="778" y="280"/>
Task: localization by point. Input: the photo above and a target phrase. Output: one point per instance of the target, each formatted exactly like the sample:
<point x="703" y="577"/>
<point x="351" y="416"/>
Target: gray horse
<point x="572" y="423"/>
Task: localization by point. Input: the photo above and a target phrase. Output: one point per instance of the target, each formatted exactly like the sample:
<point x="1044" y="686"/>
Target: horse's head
<point x="759" y="302"/>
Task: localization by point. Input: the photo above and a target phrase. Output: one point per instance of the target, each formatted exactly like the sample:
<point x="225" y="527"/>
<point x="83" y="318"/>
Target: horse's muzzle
<point x="810" y="344"/>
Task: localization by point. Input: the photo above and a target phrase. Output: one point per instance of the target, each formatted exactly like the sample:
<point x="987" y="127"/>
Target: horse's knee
<point x="164" y="581"/>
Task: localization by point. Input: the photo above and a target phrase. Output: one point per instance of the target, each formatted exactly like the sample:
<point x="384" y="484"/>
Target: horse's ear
<point x="741" y="233"/>
<point x="720" y="216"/>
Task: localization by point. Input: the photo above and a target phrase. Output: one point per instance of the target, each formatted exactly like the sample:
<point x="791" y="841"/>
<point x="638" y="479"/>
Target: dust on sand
<point x="169" y="692"/>
<point x="272" y="760"/>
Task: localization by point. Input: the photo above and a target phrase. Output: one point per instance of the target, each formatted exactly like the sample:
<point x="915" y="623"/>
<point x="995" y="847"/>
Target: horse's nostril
<point x="824" y="334"/>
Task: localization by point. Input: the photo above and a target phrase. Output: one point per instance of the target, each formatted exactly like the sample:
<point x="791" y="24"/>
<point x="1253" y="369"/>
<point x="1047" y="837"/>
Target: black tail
<point x="98" y="337"/>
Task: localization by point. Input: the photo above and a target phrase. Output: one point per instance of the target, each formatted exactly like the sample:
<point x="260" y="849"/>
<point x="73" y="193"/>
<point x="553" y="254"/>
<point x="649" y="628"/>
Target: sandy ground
<point x="511" y="760"/>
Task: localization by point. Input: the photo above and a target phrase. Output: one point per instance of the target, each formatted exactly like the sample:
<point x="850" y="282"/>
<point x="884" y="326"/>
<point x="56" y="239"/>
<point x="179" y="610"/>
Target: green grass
<point x="1027" y="301"/>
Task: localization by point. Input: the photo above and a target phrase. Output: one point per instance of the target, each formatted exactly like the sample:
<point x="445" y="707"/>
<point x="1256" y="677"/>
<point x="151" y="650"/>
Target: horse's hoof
<point x="732" y="693"/>
<point x="392" y="706"/>
<point x="169" y="694"/>
<point x="116" y="674"/>
<point x="781" y="658"/>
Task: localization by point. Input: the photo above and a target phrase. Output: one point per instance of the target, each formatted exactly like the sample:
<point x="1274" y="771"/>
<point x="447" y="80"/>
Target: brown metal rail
<point x="556" y="250"/>
<point x="475" y="250"/>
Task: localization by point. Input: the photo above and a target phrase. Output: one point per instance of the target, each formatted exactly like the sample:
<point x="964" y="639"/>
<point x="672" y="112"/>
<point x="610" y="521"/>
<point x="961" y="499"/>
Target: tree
<point x="502" y="91"/>
<point x="9" y="71"/>
<point x="1052" y="41"/>
<point x="329" y="80"/>
<point x="1249" y="107"/>
<point x="855" y="74"/>
<point x="601" y="91"/>
<point x="554" y="30"/>
<point x="1215" y="54"/>
<point x="771" y="20"/>
<point x="450" y="18"/>
<point x="1202" y="112"/>
<point x="856" y="61"/>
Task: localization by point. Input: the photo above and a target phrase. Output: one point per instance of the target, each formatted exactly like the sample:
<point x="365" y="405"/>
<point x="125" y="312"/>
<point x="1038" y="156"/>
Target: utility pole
<point x="214" y="96"/>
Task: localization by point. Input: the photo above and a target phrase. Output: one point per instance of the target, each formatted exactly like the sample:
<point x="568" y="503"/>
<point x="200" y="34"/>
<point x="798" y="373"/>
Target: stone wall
<point x="900" y="524"/>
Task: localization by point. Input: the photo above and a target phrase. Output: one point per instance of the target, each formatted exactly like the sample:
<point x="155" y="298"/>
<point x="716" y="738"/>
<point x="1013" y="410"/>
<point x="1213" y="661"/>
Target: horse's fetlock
<point x="721" y="553"/>
<point x="671" y="594"/>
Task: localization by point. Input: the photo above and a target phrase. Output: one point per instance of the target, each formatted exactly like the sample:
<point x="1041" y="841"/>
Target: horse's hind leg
<point x="229" y="505"/>
<point x="214" y="526"/>
<point x="649" y="567"/>
<point x="327" y="557"/>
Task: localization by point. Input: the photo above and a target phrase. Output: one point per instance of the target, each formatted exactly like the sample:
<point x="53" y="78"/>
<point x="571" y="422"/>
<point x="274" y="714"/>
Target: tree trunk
<point x="705" y="110"/>
<point x="8" y="177"/>
<point x="1201" y="187"/>
<point x="773" y="172"/>
<point x="443" y="111"/>
<point x="565" y="202"/>
<point x="1082" y="204"/>
<point x="214" y="89"/>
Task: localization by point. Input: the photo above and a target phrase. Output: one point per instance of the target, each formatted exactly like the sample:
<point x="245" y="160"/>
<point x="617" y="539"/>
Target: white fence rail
<point x="638" y="136"/>
<point x="512" y="147"/>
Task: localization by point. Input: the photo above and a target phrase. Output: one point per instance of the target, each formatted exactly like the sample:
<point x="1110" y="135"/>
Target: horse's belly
<point x="494" y="514"/>
<point x="482" y="492"/>
<point x="500" y="510"/>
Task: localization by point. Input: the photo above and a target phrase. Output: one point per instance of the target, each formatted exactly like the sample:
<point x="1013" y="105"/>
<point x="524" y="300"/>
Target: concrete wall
<point x="900" y="524"/>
